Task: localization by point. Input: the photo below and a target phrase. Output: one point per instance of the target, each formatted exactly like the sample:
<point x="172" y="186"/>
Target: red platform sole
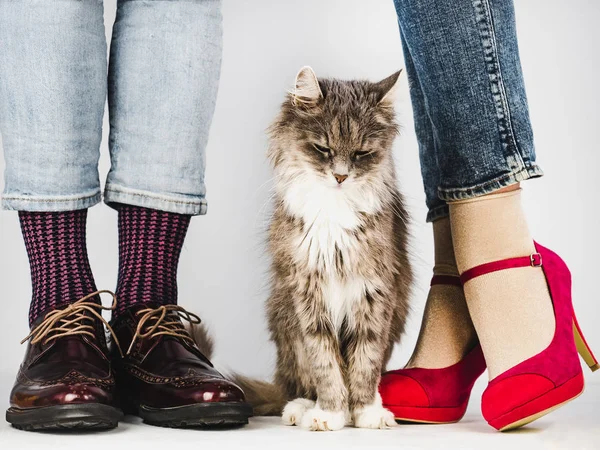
<point x="540" y="406"/>
<point x="415" y="414"/>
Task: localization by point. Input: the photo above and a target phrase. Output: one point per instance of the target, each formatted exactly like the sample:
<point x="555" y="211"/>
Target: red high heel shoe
<point x="551" y="378"/>
<point x="433" y="395"/>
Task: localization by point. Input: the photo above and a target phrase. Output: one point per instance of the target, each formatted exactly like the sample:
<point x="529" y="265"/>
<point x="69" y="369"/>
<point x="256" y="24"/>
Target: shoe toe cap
<point x="82" y="393"/>
<point x="505" y="395"/>
<point x="401" y="390"/>
<point x="198" y="391"/>
<point x="35" y="396"/>
<point x="217" y="391"/>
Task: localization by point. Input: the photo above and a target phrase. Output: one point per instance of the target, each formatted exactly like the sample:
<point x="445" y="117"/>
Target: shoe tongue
<point x="73" y="353"/>
<point x="131" y="312"/>
<point x="73" y="349"/>
<point x="70" y="348"/>
<point x="170" y="351"/>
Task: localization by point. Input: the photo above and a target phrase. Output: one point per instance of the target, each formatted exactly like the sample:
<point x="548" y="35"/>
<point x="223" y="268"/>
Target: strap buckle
<point x="536" y="260"/>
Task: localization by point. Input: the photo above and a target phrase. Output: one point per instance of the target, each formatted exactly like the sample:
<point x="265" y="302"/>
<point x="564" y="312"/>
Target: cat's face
<point x="337" y="134"/>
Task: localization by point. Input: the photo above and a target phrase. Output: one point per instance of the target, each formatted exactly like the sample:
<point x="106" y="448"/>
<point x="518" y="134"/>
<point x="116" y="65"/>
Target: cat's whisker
<point x="263" y="208"/>
<point x="270" y="180"/>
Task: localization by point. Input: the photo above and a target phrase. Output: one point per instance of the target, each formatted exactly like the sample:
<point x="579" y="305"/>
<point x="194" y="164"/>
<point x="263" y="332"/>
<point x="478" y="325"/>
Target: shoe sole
<point x="95" y="416"/>
<point x="201" y="415"/>
<point x="540" y="406"/>
<point x="427" y="415"/>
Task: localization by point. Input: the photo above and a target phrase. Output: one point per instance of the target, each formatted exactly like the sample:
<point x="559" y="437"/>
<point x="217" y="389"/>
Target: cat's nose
<point x="340" y="178"/>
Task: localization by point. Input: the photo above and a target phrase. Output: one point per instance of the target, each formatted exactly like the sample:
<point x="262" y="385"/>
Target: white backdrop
<point x="223" y="266"/>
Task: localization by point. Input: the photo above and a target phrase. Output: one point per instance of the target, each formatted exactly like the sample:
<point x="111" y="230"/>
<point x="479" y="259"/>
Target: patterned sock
<point x="150" y="243"/>
<point x="60" y="269"/>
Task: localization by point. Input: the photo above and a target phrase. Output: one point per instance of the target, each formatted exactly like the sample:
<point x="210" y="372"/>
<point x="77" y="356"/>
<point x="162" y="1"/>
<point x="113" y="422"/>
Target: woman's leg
<point x="447" y="332"/>
<point x="163" y="78"/>
<point x="468" y="63"/>
<point x="467" y="60"/>
<point x="447" y="339"/>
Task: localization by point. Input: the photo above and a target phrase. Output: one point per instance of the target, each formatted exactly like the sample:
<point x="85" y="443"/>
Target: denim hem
<point x="488" y="187"/>
<point x="40" y="203"/>
<point x="179" y="204"/>
<point x="438" y="212"/>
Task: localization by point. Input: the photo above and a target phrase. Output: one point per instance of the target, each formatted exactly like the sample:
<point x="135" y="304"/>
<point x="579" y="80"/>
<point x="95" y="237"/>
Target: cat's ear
<point x="388" y="88"/>
<point x="306" y="89"/>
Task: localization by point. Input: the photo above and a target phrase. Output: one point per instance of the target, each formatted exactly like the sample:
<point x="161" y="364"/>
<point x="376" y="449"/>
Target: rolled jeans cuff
<point x="438" y="212"/>
<point x="180" y="204"/>
<point x="449" y="194"/>
<point x="20" y="202"/>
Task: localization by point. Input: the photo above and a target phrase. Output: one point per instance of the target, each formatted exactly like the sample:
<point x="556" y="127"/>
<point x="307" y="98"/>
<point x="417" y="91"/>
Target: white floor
<point x="576" y="426"/>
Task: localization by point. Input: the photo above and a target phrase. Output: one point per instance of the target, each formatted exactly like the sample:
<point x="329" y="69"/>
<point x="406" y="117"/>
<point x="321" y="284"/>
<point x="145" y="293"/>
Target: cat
<point x="341" y="276"/>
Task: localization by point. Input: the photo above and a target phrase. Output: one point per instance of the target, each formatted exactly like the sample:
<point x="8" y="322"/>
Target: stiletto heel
<point x="433" y="396"/>
<point x="583" y="348"/>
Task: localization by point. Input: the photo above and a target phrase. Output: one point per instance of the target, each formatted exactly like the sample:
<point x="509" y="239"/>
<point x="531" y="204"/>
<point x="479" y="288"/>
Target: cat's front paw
<point x="373" y="416"/>
<point x="316" y="419"/>
<point x="295" y="410"/>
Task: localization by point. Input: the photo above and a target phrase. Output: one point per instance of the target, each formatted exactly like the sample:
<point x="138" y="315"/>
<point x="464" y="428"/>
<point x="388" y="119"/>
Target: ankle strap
<point x="452" y="280"/>
<point x="534" y="260"/>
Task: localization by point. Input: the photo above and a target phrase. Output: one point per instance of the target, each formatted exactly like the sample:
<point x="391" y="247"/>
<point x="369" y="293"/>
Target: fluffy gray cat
<point x="341" y="275"/>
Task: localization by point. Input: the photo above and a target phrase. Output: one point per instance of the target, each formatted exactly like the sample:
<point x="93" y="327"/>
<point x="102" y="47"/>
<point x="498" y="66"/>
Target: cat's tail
<point x="201" y="337"/>
<point x="267" y="399"/>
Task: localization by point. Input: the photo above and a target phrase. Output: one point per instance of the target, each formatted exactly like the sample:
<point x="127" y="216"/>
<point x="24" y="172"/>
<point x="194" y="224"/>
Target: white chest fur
<point x="330" y="216"/>
<point x="340" y="296"/>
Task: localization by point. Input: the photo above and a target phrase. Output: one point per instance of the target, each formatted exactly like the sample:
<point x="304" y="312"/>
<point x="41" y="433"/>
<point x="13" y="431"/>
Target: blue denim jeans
<point x="165" y="59"/>
<point x="470" y="108"/>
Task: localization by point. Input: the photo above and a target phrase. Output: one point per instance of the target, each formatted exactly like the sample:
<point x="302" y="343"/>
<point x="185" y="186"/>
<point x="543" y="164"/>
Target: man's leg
<point x="52" y="96"/>
<point x="163" y="79"/>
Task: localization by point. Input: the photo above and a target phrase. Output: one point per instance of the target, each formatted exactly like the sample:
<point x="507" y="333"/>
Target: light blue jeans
<point x="162" y="82"/>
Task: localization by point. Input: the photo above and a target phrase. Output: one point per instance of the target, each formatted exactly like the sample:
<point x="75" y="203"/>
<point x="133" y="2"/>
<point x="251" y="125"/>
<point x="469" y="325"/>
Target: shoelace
<point x="163" y="321"/>
<point x="76" y="319"/>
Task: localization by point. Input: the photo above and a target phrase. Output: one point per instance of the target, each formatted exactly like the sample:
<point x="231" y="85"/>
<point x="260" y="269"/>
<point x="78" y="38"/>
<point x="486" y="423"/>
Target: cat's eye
<point x="362" y="153"/>
<point x="324" y="150"/>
